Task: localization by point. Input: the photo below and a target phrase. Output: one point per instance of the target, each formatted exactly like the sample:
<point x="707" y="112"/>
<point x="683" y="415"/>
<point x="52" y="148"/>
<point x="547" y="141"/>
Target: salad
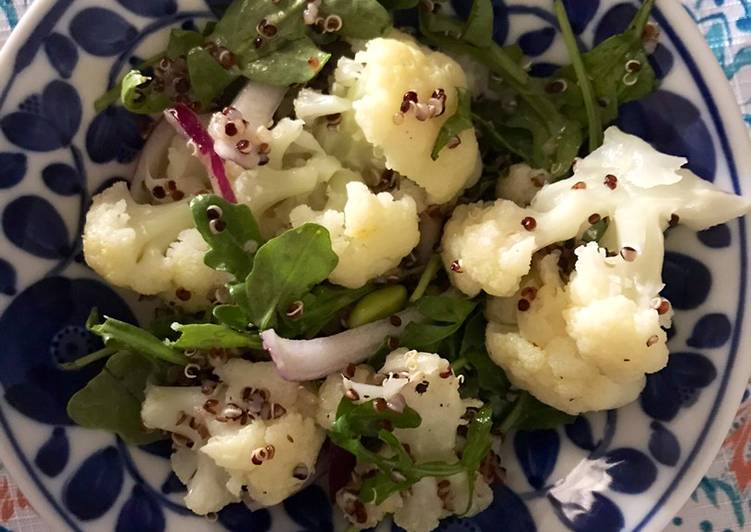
<point x="374" y="245"/>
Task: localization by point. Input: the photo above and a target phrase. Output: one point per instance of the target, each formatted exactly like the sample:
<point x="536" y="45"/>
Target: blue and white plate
<point x="629" y="469"/>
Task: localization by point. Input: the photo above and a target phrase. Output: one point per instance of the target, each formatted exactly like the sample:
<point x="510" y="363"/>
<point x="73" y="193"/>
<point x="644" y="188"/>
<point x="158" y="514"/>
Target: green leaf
<point x="208" y="79"/>
<point x="183" y="41"/>
<point x="378" y="305"/>
<point x="478" y="446"/>
<point x="357" y="420"/>
<point x="594" y="120"/>
<point x="460" y="121"/>
<point x="233" y="316"/>
<point x="530" y="414"/>
<point x="321" y="306"/>
<point x="208" y="335"/>
<point x="596" y="231"/>
<point x="492" y="380"/>
<point x="89" y="359"/>
<point x="232" y="248"/>
<point x="428" y="274"/>
<point x="361" y="19"/>
<point x="285" y="269"/>
<point x="446" y="308"/>
<point x="114" y="94"/>
<point x="237" y="29"/>
<point x="112" y="400"/>
<point x="137" y="96"/>
<point x="131" y="337"/>
<point x="399" y="4"/>
<point x="297" y="62"/>
<point x="478" y="30"/>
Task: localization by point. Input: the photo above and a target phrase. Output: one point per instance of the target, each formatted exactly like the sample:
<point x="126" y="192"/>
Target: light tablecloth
<point x="722" y="501"/>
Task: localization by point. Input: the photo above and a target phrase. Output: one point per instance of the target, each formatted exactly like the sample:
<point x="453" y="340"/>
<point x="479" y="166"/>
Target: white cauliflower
<point x="152" y="249"/>
<point x="489" y="246"/>
<point x="297" y="166"/>
<point x="254" y="433"/>
<point x="563" y="360"/>
<point x="424" y="382"/>
<point x="521" y="183"/>
<point x="370" y="235"/>
<point x="375" y="134"/>
<point x="585" y="344"/>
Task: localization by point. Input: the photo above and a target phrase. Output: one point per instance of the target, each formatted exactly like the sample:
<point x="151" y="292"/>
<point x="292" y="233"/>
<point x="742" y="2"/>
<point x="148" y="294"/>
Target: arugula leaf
<point x="460" y="121"/>
<point x="447" y="315"/>
<point x="233" y="316"/>
<point x="296" y="62"/>
<point x="585" y="85"/>
<point x="399" y="471"/>
<point x="208" y="335"/>
<point x="115" y="93"/>
<point x="320" y="306"/>
<point x="428" y="274"/>
<point x="127" y="336"/>
<point x="89" y="359"/>
<point x="137" y="96"/>
<point x="361" y="19"/>
<point x="392" y="5"/>
<point x="232" y="248"/>
<point x="238" y="28"/>
<point x="182" y="41"/>
<point x="112" y="400"/>
<point x="478" y="30"/>
<point x="492" y="380"/>
<point x="530" y="414"/>
<point x="208" y="79"/>
<point x="596" y="231"/>
<point x="285" y="269"/>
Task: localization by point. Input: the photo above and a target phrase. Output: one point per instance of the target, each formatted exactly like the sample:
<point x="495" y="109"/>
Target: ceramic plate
<point x="629" y="469"/>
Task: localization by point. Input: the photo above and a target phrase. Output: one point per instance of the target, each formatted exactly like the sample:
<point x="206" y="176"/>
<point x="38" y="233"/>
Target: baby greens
<point x="358" y="425"/>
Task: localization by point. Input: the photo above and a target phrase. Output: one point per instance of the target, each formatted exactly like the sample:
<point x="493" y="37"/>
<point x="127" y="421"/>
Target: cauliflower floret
<point x="427" y="385"/>
<point x="375" y="134"/>
<point x="490" y="245"/>
<point x="580" y="353"/>
<point x="152" y="249"/>
<point x="255" y="432"/>
<point x="370" y="236"/>
<point x="521" y="184"/>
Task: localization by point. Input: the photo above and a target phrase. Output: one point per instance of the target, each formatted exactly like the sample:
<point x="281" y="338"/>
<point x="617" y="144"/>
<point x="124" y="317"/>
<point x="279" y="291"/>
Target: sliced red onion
<point x="306" y="360"/>
<point x="189" y="125"/>
<point x="390" y="388"/>
<point x="257" y="103"/>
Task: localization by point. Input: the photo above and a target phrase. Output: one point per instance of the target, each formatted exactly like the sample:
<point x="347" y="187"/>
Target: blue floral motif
<point x="62" y="179"/>
<point x="672" y="124"/>
<point x="310" y="509"/>
<point x="580" y="433"/>
<point x="599" y="515"/>
<point x="537" y="42"/>
<point x="54" y="308"/>
<point x="172" y="485"/>
<point x="677" y="385"/>
<point x="53" y="456"/>
<point x="62" y="54"/>
<point x="7" y="278"/>
<point x="663" y="445"/>
<point x="687" y="281"/>
<point x="715" y="237"/>
<point x="95" y="486"/>
<point x="150" y="8"/>
<point x="12" y="169"/>
<point x="140" y="512"/>
<point x="114" y="135"/>
<point x="238" y="518"/>
<point x="49" y="126"/>
<point x="581" y="13"/>
<point x="102" y="32"/>
<point x="537" y="452"/>
<point x="35" y="226"/>
<point x="507" y="508"/>
<point x="631" y="471"/>
<point x="711" y="331"/>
